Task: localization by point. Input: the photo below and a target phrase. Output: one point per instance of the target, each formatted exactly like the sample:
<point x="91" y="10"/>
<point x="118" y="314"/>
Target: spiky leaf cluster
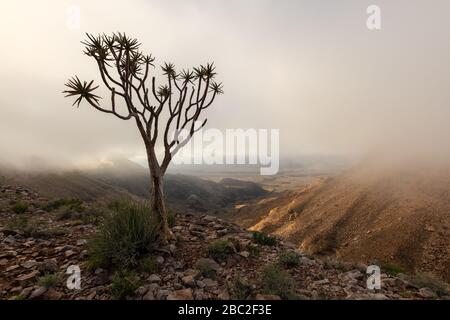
<point x="81" y="89"/>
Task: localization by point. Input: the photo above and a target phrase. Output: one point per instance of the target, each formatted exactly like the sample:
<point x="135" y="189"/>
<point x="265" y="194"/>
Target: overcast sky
<point x="309" y="68"/>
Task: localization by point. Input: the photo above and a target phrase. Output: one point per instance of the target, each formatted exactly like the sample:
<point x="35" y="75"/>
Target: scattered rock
<point x="244" y="254"/>
<point x="9" y="240"/>
<point x="52" y="294"/>
<point x="37" y="293"/>
<point x="188" y="281"/>
<point x="154" y="278"/>
<point x="29" y="264"/>
<point x="426" y="293"/>
<point x="81" y="242"/>
<point x="183" y="294"/>
<point x="267" y="297"/>
<point x="149" y="296"/>
<point x="28" y="276"/>
<point x="321" y="282"/>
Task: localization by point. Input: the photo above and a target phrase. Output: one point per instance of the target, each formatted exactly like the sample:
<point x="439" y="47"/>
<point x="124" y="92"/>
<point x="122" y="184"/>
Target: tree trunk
<point x="158" y="205"/>
<point x="157" y="202"/>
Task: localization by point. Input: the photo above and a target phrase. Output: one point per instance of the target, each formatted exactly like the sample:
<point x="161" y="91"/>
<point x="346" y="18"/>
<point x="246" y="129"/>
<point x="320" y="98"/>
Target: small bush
<point x="33" y="228"/>
<point x="254" y="250"/>
<point x="123" y="284"/>
<point x="392" y="269"/>
<point x="263" y="239"/>
<point x="93" y="215"/>
<point x="18" y="223"/>
<point x="171" y="219"/>
<point x="149" y="265"/>
<point x="64" y="214"/>
<point x="126" y="236"/>
<point x="240" y="289"/>
<point x="71" y="203"/>
<point x="277" y="281"/>
<point x="289" y="259"/>
<point x="49" y="280"/>
<point x="20" y="207"/>
<point x="220" y="249"/>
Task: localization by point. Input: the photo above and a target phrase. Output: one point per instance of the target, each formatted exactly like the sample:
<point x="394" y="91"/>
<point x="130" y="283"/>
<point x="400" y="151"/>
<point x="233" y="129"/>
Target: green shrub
<point x="93" y="215"/>
<point x="254" y="250"/>
<point x="71" y="203"/>
<point x="277" y="281"/>
<point x="127" y="234"/>
<point x="33" y="228"/>
<point x="392" y="269"/>
<point x="20" y="207"/>
<point x="220" y="249"/>
<point x="149" y="265"/>
<point x="64" y="213"/>
<point x="124" y="283"/>
<point x="263" y="239"/>
<point x="49" y="280"/>
<point x="240" y="289"/>
<point x="289" y="259"/>
<point x="171" y="219"/>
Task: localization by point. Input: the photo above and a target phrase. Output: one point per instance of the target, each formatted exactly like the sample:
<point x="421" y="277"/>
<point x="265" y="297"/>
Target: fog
<point x="311" y="69"/>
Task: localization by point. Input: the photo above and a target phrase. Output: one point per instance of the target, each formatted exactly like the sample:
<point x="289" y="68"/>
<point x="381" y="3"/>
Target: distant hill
<point x="391" y="214"/>
<point x="122" y="177"/>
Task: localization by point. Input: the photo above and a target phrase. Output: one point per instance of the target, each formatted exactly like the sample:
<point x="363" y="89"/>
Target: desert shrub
<point x="240" y="289"/>
<point x="220" y="249"/>
<point x="18" y="223"/>
<point x="263" y="239"/>
<point x="49" y="280"/>
<point x="20" y="207"/>
<point x="71" y="203"/>
<point x="33" y="228"/>
<point x="93" y="215"/>
<point x="64" y="213"/>
<point x="423" y="280"/>
<point x="236" y="243"/>
<point x="149" y="265"/>
<point x="289" y="259"/>
<point x="392" y="269"/>
<point x="277" y="281"/>
<point x="254" y="250"/>
<point x="124" y="283"/>
<point x="127" y="234"/>
<point x="171" y="219"/>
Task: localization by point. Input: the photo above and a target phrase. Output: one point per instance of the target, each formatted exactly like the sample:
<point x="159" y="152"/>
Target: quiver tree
<point x="172" y="107"/>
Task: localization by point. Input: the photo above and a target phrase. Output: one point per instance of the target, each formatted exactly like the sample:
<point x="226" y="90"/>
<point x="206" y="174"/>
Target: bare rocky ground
<point x="36" y="243"/>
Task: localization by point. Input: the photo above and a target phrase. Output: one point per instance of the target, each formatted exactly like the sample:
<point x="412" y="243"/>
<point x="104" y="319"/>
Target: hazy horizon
<point x="312" y="70"/>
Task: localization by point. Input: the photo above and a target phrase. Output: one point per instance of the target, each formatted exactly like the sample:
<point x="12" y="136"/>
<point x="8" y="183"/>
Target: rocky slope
<point x="35" y="243"/>
<point x="123" y="178"/>
<point x="386" y="214"/>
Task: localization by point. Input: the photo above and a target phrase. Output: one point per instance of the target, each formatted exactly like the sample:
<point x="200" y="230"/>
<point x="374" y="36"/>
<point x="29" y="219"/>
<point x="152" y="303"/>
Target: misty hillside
<point x="399" y="216"/>
<point x="124" y="178"/>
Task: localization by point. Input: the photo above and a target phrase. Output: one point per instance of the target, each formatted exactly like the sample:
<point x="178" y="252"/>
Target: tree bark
<point x="157" y="202"/>
<point x="158" y="205"/>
